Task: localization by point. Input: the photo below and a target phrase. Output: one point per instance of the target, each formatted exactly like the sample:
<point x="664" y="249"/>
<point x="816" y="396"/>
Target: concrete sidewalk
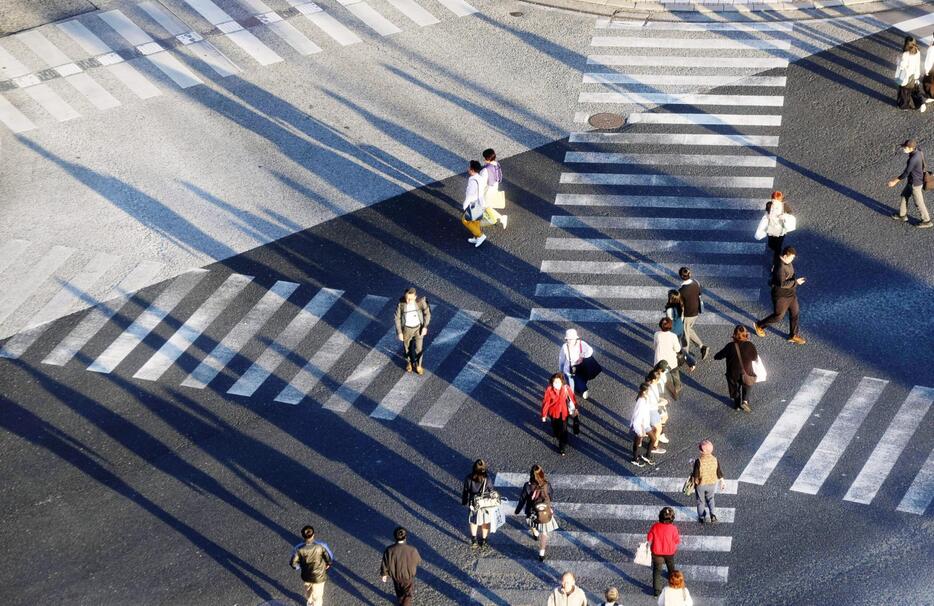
<point x="753" y="10"/>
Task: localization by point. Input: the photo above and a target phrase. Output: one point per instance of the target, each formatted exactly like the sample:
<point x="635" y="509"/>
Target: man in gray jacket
<point x="313" y="559"/>
<point x="412" y="318"/>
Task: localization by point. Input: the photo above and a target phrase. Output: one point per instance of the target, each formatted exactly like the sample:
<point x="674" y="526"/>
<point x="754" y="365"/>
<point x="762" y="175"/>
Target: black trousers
<point x="910" y="97"/>
<point x="657" y="561"/>
<point x="739" y="391"/>
<point x="783" y="305"/>
<point x="636" y="443"/>
<point x="775" y="245"/>
<point x="559" y="427"/>
<point x="405" y="592"/>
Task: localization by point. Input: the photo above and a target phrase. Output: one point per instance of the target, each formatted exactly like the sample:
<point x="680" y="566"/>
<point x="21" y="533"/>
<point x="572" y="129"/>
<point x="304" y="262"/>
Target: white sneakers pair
<point x="477" y="241"/>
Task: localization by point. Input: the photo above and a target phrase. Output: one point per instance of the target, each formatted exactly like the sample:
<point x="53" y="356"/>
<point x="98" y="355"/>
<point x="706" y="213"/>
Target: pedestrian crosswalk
<point x="56" y="73"/>
<point x="597" y="541"/>
<point x="682" y="183"/>
<point x="840" y="444"/>
<point x="282" y="343"/>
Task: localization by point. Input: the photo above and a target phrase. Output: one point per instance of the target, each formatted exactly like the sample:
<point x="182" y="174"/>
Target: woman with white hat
<point x="576" y="362"/>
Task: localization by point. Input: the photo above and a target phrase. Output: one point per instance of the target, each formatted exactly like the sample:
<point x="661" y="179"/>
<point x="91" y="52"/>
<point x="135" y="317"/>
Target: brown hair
<point x="665" y="324"/>
<point x="676" y="579"/>
<point x="537" y="475"/>
<point x="558" y="376"/>
<point x="740" y="334"/>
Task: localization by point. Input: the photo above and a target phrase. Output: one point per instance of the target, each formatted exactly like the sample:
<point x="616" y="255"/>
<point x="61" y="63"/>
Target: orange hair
<point x="676" y="579"/>
<point x="777" y="195"/>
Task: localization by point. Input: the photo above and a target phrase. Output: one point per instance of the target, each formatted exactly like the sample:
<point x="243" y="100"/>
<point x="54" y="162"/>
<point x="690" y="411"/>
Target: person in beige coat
<point x="568" y="594"/>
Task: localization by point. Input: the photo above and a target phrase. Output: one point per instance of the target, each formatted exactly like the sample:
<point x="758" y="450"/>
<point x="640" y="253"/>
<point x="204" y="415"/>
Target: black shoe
<point x="481" y="543"/>
<point x="702" y="519"/>
<point x="704" y="352"/>
<point x="713" y="519"/>
<point x="648" y="460"/>
<point x="473" y="543"/>
<point x="637" y="462"/>
<point x="541" y="558"/>
<point x="562" y="452"/>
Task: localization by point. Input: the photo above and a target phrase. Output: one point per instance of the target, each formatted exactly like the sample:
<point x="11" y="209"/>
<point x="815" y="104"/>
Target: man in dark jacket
<point x="412" y="318"/>
<point x="314" y="560"/>
<point x="914" y="185"/>
<point x="691" y="296"/>
<point x="785" y="284"/>
<point x="400" y="562"/>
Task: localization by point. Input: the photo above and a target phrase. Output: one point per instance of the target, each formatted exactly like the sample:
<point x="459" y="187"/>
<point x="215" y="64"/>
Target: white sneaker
<point x="586" y="394"/>
<point x="923" y="108"/>
<point x="471" y="240"/>
<point x="477" y="242"/>
<point x="663" y="439"/>
<point x="504" y="219"/>
<point x="929" y="100"/>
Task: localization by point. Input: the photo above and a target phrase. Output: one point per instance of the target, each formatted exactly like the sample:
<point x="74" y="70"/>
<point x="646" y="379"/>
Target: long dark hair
<point x="537" y="476"/>
<point x="558" y="376"/>
<point x="674" y="300"/>
<point x="479" y="471"/>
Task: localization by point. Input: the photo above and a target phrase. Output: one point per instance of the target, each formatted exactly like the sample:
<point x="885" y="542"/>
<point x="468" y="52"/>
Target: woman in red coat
<point x="557" y="405"/>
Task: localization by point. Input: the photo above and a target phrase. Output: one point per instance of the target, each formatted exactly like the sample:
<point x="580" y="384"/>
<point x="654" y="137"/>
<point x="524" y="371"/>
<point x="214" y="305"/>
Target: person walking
<point x="492" y="174"/>
<point x="667" y="347"/>
<point x="476" y="484"/>
<point x="674" y="310"/>
<point x="785" y="283"/>
<point x="413" y="315"/>
<point x="558" y="404"/>
<point x="313" y="559"/>
<point x="676" y="594"/>
<point x="663" y="538"/>
<point x="576" y="361"/>
<point x="927" y="78"/>
<point x="473" y="203"/>
<point x="914" y="185"/>
<point x="610" y="596"/>
<point x="400" y="563"/>
<point x="568" y="593"/>
<point x="708" y="477"/>
<point x="693" y="306"/>
<point x="908" y="76"/>
<point x="777" y="221"/>
<point x="535" y="501"/>
<point x="739" y="354"/>
<point x="658" y="407"/>
<point x="641" y="425"/>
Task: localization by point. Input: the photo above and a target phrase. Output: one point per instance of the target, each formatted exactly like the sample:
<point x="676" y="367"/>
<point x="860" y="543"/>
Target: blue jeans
<point x="577" y="384"/>
<point x="706" y="493"/>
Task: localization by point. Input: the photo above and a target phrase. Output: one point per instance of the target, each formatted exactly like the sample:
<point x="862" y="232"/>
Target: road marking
<point x="616" y="511"/>
<point x="776" y="444"/>
<point x="592" y="569"/>
<point x="124" y="72"/>
<point x="921" y="492"/>
<point x="683" y="80"/>
<point x="484" y="596"/>
<point x="910" y="25"/>
<point x="435" y="354"/>
<point x="366" y="13"/>
<point x="606" y="23"/>
<point x="375" y="361"/>
<point x="612" y="291"/>
<point x="69" y="299"/>
<point x="738" y="63"/>
<point x="337" y="344"/>
<point x="656" y="180"/>
<point x="890" y="446"/>
<point x="413" y="11"/>
<point x="328" y="24"/>
<point x="165" y="62"/>
<point x="649" y="268"/>
<point x="50" y="101"/>
<point x="193" y="327"/>
<point x="142" y="275"/>
<point x="690" y="43"/>
<point x="282" y="28"/>
<point x="654" y="246"/>
<point x="235" y="32"/>
<point x="240" y="335"/>
<point x="834" y="443"/>
<point x="287" y="341"/>
<point x="616" y="316"/>
<point x="692" y="202"/>
<point x="167" y="300"/>
<point x="473" y="373"/>
<point x="670" y="159"/>
<point x="38" y="273"/>
<point x="14" y="119"/>
<point x="674" y="139"/>
<point x="704" y="119"/>
<point x="53" y="57"/>
<point x="657" y="223"/>
<point x="605" y="482"/>
<point x="458" y="7"/>
<point x="681" y="99"/>
<point x="618" y="541"/>
<point x="200" y="48"/>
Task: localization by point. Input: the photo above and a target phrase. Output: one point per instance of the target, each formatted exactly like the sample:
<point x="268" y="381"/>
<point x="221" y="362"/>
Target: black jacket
<point x="748" y="352"/>
<point x="913" y="168"/>
<point x="784" y="280"/>
<point x="525" y="499"/>
<point x="472" y="489"/>
<point x="400" y="562"/>
<point x="313" y="560"/>
<point x="690" y="294"/>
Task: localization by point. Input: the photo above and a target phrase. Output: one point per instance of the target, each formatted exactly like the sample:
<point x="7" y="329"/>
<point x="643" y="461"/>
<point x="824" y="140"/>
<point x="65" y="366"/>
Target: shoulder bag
<point x="926" y="177"/>
<point x="486" y="498"/>
<point x="747" y="379"/>
<point x="541" y="506"/>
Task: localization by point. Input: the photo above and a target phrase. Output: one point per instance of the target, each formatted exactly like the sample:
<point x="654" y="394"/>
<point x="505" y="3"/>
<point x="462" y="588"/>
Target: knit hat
<point x="570" y="335"/>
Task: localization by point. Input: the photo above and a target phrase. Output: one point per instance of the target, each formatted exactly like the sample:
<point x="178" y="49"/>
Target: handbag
<point x="763" y="225"/>
<point x="927" y="178"/>
<point x="759" y="368"/>
<point x="643" y="556"/>
<point x="688" y="487"/>
<point x="789" y="222"/>
<point x="473" y="212"/>
<point x="494" y="199"/>
<point x="541" y="506"/>
<point x="486" y="498"/>
<point x="588" y="369"/>
<point x="747" y="379"/>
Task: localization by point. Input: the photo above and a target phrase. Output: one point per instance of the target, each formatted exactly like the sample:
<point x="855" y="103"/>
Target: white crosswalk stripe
<point x="458" y="7"/>
<point x="43" y="94"/>
<point x="285" y="30"/>
<point x="746" y="63"/>
<point x="690" y="43"/>
<point x="653" y="246"/>
<point x="669" y="159"/>
<point x="42" y="270"/>
<point x="656" y="223"/>
<point x="681" y="99"/>
<point x="368" y="15"/>
<point x="235" y="32"/>
<point x="603" y="291"/>
<point x="375" y="361"/>
<point x="202" y="49"/>
<point x="328" y="24"/>
<point x="651" y="180"/>
<point x="705" y="119"/>
<point x="413" y="11"/>
<point x="605" y="23"/>
<point x="674" y="139"/>
<point x="692" y="202"/>
<point x="682" y="80"/>
<point x="920" y="494"/>
<point x="616" y="316"/>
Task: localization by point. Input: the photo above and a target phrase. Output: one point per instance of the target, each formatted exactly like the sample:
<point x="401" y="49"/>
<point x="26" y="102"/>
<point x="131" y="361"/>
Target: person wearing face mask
<point x="914" y="185"/>
<point x="558" y="404"/>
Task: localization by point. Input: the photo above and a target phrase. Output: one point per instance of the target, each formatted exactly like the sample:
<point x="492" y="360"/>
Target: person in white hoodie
<point x="492" y="174"/>
<point x="908" y="77"/>
<point x="775" y="224"/>
<point x="473" y="203"/>
<point x="927" y="78"/>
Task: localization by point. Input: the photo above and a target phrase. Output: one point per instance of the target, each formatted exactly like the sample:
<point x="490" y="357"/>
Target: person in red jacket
<point x="664" y="539"/>
<point x="558" y="404"/>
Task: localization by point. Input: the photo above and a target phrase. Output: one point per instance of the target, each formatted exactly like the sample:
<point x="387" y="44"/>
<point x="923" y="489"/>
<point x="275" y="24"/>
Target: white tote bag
<point x="758" y="368"/>
<point x="763" y="225"/>
<point x="643" y="555"/>
<point x="789" y="223"/>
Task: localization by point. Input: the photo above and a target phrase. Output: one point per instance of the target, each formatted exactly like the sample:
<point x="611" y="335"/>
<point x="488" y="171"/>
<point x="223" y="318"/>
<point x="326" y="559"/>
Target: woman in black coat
<point x="535" y="501"/>
<point x="739" y="354"/>
<point x="476" y="484"/>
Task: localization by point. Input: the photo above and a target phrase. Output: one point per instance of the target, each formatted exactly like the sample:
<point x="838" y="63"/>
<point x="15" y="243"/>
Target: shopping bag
<point x="759" y="369"/>
<point x="760" y="230"/>
<point x="494" y="199"/>
<point x="497" y="519"/>
<point x="688" y="488"/>
<point x="643" y="555"/>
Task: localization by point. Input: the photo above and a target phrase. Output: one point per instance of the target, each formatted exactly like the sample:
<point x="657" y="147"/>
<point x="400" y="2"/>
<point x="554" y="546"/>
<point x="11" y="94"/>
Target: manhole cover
<point x="606" y="120"/>
<point x="516" y="14"/>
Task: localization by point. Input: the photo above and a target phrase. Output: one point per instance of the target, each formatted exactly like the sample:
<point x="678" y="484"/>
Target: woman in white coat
<point x="908" y="77"/>
<point x="775" y="224"/>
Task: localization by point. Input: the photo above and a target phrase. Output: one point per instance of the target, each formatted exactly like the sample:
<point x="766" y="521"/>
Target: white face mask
<point x="556" y="384"/>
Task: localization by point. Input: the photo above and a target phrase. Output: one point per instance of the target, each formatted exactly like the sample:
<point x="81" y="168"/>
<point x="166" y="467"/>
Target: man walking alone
<point x="400" y="562"/>
<point x="785" y="283"/>
<point x="313" y="559"/>
<point x="914" y="185"/>
<point x="412" y="318"/>
<point x="691" y="297"/>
